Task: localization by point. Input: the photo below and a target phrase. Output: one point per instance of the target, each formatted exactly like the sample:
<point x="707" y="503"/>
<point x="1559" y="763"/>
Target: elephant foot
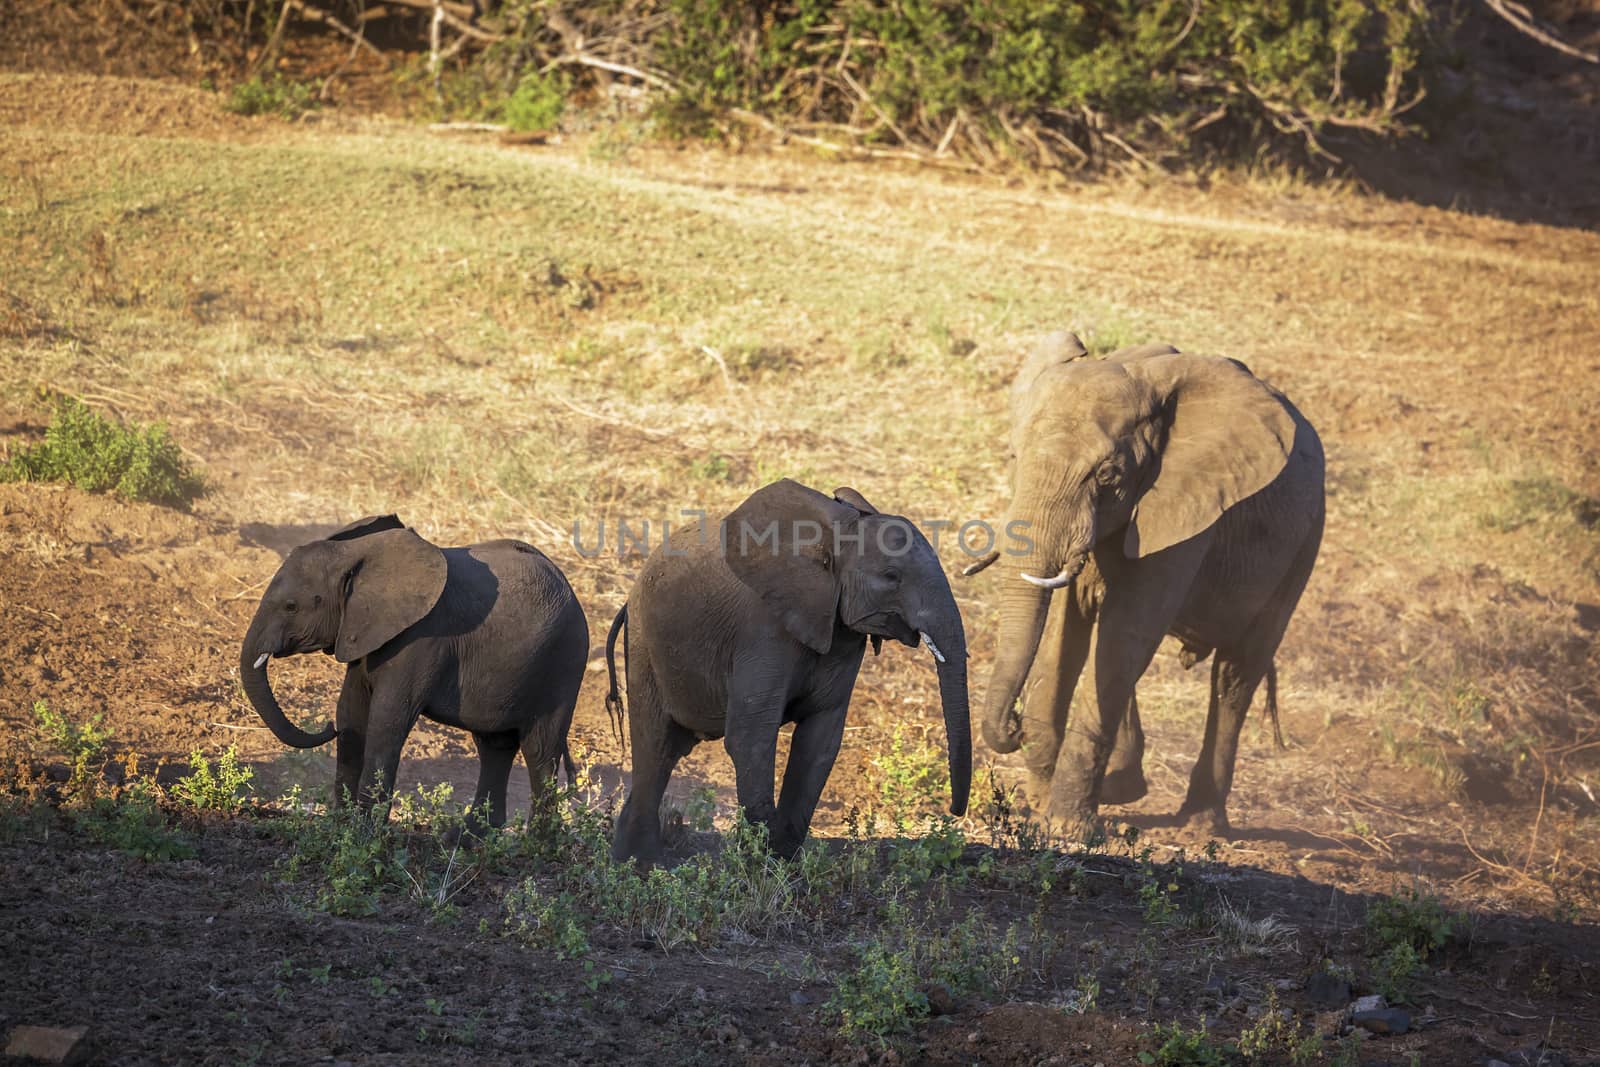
<point x="1208" y="820"/>
<point x="1124" y="785"/>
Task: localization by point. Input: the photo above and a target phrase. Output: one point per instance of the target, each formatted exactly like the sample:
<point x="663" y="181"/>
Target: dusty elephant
<point x="763" y="621"/>
<point x="1164" y="493"/>
<point x="488" y="638"/>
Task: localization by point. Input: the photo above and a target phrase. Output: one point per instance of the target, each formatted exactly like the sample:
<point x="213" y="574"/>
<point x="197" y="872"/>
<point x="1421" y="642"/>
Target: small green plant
<point x="1278" y="1031"/>
<point x="84" y="744"/>
<point x="713" y="467"/>
<point x="219" y="788"/>
<point x="133" y="823"/>
<point x="1178" y="1047"/>
<point x="545" y="921"/>
<point x="537" y="102"/>
<point x="88" y="450"/>
<point x="700" y="810"/>
<point x="276" y="95"/>
<point x="882" y="995"/>
<point x="912" y="777"/>
<point x="1085" y="995"/>
<point x="1402" y="931"/>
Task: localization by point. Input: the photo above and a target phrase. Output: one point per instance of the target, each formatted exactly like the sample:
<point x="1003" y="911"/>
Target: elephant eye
<point x="291" y="607"/>
<point x="1108" y="472"/>
<point x="892" y="575"/>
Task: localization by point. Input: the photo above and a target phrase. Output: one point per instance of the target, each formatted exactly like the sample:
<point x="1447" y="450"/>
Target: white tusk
<point x="1064" y="578"/>
<point x="974" y="568"/>
<point x="931" y="646"/>
<point x="262" y="659"/>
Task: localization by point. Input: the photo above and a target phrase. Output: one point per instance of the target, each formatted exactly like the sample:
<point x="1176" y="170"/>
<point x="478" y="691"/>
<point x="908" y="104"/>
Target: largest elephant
<point x="765" y="623"/>
<point x="1163" y="493"/>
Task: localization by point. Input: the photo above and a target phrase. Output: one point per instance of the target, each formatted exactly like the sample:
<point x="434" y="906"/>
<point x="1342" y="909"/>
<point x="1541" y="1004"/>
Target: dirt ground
<point x="135" y="612"/>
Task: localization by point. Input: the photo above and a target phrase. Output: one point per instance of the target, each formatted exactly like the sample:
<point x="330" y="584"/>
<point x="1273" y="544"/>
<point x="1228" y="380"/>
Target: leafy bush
<point x="912" y="777"/>
<point x="1402" y="931"/>
<point x="133" y="823"/>
<point x="222" y="788"/>
<point x="537" y="102"/>
<point x="1182" y="1048"/>
<point x="1057" y="83"/>
<point x="95" y="454"/>
<point x="882" y="995"/>
<point x="271" y="96"/>
<point x="84" y="743"/>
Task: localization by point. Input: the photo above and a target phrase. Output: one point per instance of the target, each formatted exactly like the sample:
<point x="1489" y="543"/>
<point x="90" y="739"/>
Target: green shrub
<point x="222" y="788"/>
<point x="84" y="743"/>
<point x="271" y="96"/>
<point x="882" y="995"/>
<point x="537" y="102"/>
<point x="93" y="453"/>
<point x="1055" y="83"/>
<point x="1402" y="931"/>
<point x="133" y="823"/>
<point x="1177" y="1047"/>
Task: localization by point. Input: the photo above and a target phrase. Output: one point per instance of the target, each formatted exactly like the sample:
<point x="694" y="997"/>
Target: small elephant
<point x="765" y="622"/>
<point x="488" y="638"/>
<point x="1163" y="493"/>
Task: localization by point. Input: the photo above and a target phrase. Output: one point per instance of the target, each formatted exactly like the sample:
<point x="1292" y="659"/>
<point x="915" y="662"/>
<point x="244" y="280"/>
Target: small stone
<point x="1221" y="986"/>
<point x="799" y="999"/>
<point x="1372" y="1003"/>
<point x="1496" y="1063"/>
<point x="1327" y="990"/>
<point x="974" y="1037"/>
<point x="1163" y="1002"/>
<point x="48" y="1043"/>
<point x="1285" y="985"/>
<point x="1383" y="1021"/>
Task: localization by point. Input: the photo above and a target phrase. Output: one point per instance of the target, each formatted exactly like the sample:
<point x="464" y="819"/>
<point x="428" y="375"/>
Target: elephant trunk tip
<point x="1003" y="737"/>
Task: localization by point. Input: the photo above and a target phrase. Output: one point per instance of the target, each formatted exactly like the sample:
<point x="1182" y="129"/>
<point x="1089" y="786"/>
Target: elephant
<point x="488" y="638"/>
<point x="1163" y="493"/>
<point x="731" y="636"/>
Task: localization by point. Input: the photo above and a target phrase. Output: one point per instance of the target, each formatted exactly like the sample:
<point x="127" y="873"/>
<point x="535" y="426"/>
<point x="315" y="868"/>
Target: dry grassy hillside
<point x="349" y="316"/>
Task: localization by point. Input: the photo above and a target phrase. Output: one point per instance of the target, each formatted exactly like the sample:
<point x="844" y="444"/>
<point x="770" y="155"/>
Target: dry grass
<point x="495" y="341"/>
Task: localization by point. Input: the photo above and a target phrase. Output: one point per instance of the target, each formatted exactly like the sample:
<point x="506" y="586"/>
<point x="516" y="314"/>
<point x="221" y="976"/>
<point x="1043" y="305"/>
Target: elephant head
<point x="349" y="595"/>
<point x="818" y="562"/>
<point x="1143" y="450"/>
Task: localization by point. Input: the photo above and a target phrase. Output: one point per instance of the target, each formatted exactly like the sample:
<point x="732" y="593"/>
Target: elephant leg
<point x="812" y="751"/>
<point x="350" y="745"/>
<point x="658" y="743"/>
<point x="388" y="726"/>
<point x="1235" y="674"/>
<point x="754" y="718"/>
<point x="1047" y="699"/>
<point x="1233" y="686"/>
<point x="496" y="753"/>
<point x="1142" y="598"/>
<point x="1124" y="781"/>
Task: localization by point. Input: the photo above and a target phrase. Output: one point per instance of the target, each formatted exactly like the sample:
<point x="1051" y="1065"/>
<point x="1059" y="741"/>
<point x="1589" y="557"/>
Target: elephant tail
<point x="614" y="706"/>
<point x="1272" y="705"/>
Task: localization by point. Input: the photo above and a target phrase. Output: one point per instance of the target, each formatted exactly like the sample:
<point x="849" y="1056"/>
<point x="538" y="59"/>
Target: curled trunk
<point x="259" y="691"/>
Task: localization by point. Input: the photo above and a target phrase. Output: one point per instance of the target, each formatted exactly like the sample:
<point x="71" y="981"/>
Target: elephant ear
<point x="1228" y="435"/>
<point x="392" y="579"/>
<point x="846" y="495"/>
<point x="779" y="543"/>
<point x="1133" y="353"/>
<point x="369" y="525"/>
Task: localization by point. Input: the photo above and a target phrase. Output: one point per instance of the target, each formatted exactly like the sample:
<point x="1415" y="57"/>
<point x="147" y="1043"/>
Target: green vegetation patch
<point x="88" y="450"/>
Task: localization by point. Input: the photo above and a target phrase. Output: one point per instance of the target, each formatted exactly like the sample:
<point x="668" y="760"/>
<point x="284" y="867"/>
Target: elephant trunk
<point x="253" y="677"/>
<point x="1024" y="606"/>
<point x="951" y="665"/>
